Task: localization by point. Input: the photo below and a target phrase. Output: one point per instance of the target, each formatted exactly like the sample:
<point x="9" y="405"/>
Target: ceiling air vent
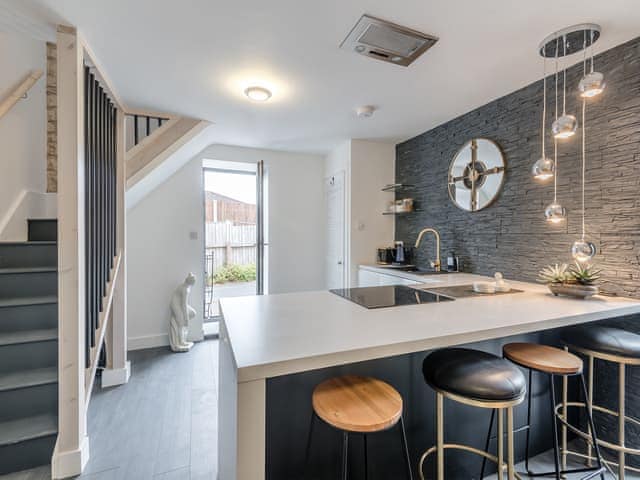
<point x="387" y="41"/>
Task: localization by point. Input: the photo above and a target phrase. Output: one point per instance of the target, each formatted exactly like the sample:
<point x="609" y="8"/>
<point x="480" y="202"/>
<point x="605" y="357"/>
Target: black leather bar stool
<point x="360" y="405"/>
<point x="478" y="379"/>
<point x="610" y="345"/>
<point x="553" y="362"/>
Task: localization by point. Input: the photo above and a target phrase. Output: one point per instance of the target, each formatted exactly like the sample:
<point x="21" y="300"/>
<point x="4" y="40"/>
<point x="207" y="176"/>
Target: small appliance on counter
<point x="398" y="255"/>
<point x="385" y="256"/>
<point x="453" y="263"/>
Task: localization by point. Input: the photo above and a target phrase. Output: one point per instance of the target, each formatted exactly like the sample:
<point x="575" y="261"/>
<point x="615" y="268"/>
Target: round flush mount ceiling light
<point x="365" y="111"/>
<point x="257" y="94"/>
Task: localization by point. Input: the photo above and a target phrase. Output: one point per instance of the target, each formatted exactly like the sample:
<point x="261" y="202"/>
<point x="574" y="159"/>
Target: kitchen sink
<point x="423" y="271"/>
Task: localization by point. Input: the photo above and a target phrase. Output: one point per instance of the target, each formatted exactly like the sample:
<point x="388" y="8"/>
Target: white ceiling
<point x="195" y="57"/>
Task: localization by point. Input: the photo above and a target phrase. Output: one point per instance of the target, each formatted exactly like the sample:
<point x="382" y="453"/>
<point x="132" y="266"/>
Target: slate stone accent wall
<point x="512" y="235"/>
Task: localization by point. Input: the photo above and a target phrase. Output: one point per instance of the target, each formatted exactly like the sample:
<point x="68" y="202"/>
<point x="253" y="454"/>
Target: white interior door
<point x="336" y="248"/>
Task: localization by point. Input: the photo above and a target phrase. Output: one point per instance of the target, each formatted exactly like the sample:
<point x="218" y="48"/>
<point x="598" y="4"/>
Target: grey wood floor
<point x="162" y="425"/>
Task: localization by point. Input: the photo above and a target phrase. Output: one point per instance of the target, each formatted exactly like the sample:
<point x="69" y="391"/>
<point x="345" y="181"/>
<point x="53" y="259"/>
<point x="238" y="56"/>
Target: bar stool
<point x="360" y="405"/>
<point x="552" y="362"/>
<point x="478" y="379"/>
<point x="611" y="345"/>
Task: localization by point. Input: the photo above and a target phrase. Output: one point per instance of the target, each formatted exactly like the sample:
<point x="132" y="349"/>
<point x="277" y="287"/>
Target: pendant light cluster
<point x="557" y="45"/>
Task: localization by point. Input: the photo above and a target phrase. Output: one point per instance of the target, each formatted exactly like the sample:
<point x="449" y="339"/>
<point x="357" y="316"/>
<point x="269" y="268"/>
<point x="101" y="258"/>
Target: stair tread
<point x="30" y="242"/>
<point x="9" y="270"/>
<point x="28" y="378"/>
<point x="28" y="336"/>
<point x="20" y="301"/>
<point x="29" y="428"/>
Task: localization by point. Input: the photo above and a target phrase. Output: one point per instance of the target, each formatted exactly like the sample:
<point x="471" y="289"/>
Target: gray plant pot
<point x="573" y="290"/>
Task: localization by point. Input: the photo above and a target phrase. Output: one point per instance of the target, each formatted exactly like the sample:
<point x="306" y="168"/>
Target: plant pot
<point x="573" y="290"/>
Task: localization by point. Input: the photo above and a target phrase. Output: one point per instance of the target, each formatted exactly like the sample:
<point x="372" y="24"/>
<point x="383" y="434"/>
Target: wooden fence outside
<point x="229" y="244"/>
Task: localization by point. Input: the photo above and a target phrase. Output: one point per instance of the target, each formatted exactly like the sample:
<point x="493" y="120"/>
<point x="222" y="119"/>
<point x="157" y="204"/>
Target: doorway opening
<point x="234" y="242"/>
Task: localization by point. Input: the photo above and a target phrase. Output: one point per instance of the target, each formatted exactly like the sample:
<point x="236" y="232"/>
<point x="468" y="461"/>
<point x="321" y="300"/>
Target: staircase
<point x="28" y="348"/>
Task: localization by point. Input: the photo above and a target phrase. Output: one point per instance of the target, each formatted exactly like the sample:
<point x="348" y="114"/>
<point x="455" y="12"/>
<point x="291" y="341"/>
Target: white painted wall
<point x="22" y="137"/>
<point x="161" y="253"/>
<point x="372" y="167"/>
<point x="295" y="215"/>
<point x="368" y="166"/>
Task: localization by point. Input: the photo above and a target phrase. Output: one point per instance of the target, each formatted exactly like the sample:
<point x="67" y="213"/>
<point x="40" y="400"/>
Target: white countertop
<point x="276" y="335"/>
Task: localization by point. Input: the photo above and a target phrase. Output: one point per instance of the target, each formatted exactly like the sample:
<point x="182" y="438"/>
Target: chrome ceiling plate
<point x="387" y="41"/>
<point x="569" y="40"/>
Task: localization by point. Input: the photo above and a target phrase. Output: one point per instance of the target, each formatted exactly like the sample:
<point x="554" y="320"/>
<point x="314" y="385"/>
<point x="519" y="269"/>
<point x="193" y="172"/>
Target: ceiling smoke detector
<point x="365" y="111"/>
<point x="387" y="41"/>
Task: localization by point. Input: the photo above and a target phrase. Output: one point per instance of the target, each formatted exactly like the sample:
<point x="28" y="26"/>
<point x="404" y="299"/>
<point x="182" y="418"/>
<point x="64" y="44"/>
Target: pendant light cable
<point x="584" y="163"/>
<point x="584" y="110"/>
<point x="564" y="78"/>
<point x="544" y="102"/>
<point x="555" y="141"/>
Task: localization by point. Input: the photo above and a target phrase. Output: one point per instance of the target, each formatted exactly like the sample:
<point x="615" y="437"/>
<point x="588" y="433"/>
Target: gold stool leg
<point x="440" y="435"/>
<point x="565" y="382"/>
<point x="500" y="443"/>
<point x="510" y="455"/>
<point x="590" y="393"/>
<point x="621" y="419"/>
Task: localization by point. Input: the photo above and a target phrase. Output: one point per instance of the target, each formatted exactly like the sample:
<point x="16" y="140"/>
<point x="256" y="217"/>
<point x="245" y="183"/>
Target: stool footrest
<point x="466" y="448"/>
<point x="586" y="436"/>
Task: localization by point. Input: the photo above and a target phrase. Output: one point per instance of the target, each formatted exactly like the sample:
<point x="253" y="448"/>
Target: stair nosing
<point x="29" y="242"/>
<point x="50" y="375"/>
<point x="24" y="270"/>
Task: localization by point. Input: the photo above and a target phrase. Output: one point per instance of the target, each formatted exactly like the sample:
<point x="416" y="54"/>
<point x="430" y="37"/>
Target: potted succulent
<point x="576" y="281"/>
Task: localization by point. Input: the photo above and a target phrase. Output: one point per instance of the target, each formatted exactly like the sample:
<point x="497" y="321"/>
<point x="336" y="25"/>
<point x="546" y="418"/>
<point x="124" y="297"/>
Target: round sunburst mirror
<point x="476" y="174"/>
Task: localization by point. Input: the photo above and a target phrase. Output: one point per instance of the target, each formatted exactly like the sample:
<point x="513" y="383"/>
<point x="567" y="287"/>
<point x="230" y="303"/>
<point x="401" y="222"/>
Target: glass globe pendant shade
<point x="592" y="84"/>
<point x="543" y="169"/>
<point x="565" y="126"/>
<point x="582" y="250"/>
<point x="555" y="213"/>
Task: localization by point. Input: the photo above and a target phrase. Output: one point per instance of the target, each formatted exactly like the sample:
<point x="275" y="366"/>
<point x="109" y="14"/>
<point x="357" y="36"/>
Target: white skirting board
<point x="148" y="341"/>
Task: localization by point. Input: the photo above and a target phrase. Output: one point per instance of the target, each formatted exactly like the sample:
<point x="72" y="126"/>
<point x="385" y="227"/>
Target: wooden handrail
<point x="19" y="92"/>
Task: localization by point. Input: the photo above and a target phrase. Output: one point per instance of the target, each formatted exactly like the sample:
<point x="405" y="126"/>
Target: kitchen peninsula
<point x="275" y="348"/>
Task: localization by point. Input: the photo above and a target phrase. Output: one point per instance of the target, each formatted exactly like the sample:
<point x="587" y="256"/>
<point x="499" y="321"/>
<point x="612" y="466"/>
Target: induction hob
<point x="389" y="296"/>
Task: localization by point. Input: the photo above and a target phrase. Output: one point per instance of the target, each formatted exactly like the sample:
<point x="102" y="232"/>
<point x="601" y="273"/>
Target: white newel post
<point x="118" y="367"/>
<point x="71" y="452"/>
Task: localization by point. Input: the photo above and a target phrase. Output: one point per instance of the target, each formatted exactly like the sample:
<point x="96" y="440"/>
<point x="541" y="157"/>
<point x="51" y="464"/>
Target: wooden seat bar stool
<point x="612" y="345"/>
<point x="478" y="379"/>
<point x="357" y="405"/>
<point x="553" y="362"/>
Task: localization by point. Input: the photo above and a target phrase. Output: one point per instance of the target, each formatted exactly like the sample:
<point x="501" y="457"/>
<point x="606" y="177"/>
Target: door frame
<point x="260" y="264"/>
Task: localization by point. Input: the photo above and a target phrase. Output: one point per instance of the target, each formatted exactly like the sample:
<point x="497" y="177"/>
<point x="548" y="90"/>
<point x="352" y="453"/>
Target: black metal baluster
<point x="114" y="182"/>
<point x="105" y="192"/>
<point x="102" y="200"/>
<point x="87" y="196"/>
<point x="135" y="130"/>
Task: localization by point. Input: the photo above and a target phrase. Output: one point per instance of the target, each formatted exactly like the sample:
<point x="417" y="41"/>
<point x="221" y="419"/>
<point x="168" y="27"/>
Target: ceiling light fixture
<point x="582" y="250"/>
<point x="544" y="168"/>
<point x="555" y="213"/>
<point x="566" y="125"/>
<point x="592" y="83"/>
<point x="257" y="94"/>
